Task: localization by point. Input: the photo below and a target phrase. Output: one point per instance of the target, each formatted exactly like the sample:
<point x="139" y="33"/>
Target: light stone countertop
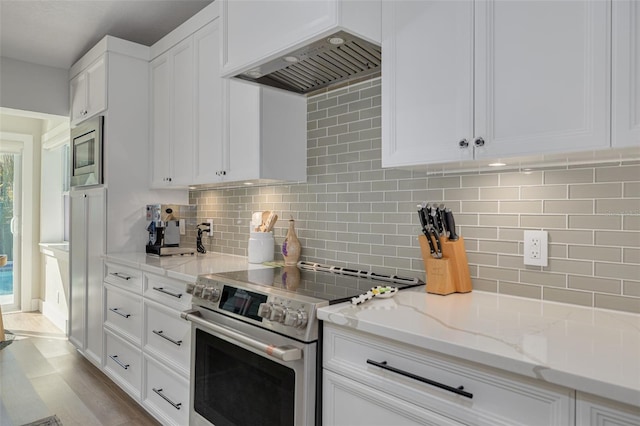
<point x="591" y="350"/>
<point x="185" y="268"/>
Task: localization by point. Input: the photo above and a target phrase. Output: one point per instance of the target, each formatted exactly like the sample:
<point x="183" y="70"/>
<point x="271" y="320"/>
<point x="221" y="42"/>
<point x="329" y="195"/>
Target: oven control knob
<point x="206" y="292"/>
<point x="190" y="287"/>
<point x="277" y="313"/>
<point x="214" y="296"/>
<point x="297" y="319"/>
<point x="264" y="310"/>
<point x="198" y="289"/>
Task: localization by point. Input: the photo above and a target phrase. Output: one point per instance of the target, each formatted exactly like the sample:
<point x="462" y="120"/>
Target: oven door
<point x="245" y="375"/>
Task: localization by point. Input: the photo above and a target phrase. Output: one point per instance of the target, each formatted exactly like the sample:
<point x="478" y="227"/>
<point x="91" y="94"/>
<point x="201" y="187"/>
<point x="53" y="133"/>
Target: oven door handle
<point x="284" y="353"/>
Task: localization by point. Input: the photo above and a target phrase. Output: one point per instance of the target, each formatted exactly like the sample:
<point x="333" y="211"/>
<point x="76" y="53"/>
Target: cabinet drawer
<point x="123" y="363"/>
<point x="123" y="276"/>
<point x="346" y="402"/>
<point x="166" y="394"/>
<point x="167" y="291"/>
<point x="123" y="313"/>
<point x="167" y="336"/>
<point x="489" y="396"/>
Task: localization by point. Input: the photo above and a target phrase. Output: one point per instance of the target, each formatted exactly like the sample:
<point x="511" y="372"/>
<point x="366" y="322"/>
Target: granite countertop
<point x="591" y="350"/>
<point x="185" y="268"/>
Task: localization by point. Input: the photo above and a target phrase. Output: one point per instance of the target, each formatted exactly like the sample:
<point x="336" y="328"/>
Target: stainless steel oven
<point x="255" y="342"/>
<point x="243" y="375"/>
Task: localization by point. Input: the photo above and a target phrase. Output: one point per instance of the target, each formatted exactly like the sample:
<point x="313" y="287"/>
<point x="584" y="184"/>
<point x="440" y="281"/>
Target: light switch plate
<point x="536" y="248"/>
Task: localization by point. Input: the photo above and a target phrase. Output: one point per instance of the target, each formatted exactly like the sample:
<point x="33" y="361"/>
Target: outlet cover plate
<point x="536" y="251"/>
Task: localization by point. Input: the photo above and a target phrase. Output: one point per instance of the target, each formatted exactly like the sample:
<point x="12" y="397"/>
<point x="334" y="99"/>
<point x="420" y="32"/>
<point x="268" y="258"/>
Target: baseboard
<point x="53" y="314"/>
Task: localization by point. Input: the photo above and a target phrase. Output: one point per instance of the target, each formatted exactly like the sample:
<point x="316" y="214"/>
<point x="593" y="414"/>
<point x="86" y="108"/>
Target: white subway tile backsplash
<point x="351" y="212"/>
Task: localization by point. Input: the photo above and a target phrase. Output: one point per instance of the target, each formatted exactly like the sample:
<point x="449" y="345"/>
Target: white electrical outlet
<point x="536" y="248"/>
<point x="210" y="222"/>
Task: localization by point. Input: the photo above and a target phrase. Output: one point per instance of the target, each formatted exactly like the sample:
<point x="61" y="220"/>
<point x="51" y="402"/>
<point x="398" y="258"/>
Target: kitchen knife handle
<point x="450" y="223"/>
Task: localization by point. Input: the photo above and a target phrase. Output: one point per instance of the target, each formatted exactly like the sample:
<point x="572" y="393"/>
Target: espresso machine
<point x="165" y="224"/>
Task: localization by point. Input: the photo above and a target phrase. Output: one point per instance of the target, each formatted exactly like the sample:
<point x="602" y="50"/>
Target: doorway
<point x="10" y="224"/>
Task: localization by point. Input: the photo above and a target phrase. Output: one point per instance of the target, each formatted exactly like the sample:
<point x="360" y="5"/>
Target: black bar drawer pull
<point x="117" y="311"/>
<point x="459" y="390"/>
<point x="120" y="275"/>
<point x="159" y="392"/>
<point x="117" y="361"/>
<point x="161" y="334"/>
<point x="162" y="290"/>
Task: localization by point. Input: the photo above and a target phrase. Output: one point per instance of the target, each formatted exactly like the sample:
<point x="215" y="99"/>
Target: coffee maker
<point x="165" y="229"/>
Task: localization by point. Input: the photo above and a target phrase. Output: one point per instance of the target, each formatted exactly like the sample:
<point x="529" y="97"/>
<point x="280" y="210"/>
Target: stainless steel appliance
<point x="330" y="60"/>
<point x="165" y="224"/>
<point x="255" y="341"/>
<point x="86" y="152"/>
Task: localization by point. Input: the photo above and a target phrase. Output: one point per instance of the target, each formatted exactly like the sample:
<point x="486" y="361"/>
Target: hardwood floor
<point x="41" y="374"/>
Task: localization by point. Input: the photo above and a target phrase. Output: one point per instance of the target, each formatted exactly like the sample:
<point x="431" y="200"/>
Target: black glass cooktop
<point x="325" y="286"/>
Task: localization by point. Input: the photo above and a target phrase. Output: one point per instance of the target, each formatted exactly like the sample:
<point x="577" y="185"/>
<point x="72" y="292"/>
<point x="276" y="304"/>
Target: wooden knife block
<point x="450" y="274"/>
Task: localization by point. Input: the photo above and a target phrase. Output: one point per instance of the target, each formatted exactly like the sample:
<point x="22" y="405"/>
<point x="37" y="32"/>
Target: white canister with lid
<point x="261" y="247"/>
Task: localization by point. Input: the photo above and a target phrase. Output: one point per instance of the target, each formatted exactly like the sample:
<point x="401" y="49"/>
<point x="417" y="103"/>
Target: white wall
<point x="30" y="87"/>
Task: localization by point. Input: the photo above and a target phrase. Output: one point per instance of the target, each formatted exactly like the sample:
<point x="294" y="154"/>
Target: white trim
<point x="57" y="136"/>
<point x="26" y="259"/>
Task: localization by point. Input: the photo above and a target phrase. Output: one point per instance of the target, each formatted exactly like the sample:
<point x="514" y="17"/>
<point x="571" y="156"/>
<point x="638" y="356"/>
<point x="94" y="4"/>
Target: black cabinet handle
<point x="459" y="390"/>
<point x="161" y="334"/>
<point x="117" y="311"/>
<point x="117" y="361"/>
<point x="162" y="290"/>
<point x="163" y="396"/>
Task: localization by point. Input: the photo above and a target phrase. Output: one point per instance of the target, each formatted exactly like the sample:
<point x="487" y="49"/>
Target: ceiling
<point x="57" y="33"/>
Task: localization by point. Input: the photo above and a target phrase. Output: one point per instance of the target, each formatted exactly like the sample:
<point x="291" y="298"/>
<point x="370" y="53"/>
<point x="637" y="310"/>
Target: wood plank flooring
<point x="42" y="374"/>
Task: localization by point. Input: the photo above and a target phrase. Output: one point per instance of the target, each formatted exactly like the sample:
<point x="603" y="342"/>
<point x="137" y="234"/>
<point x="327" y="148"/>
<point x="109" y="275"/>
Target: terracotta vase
<point x="291" y="246"/>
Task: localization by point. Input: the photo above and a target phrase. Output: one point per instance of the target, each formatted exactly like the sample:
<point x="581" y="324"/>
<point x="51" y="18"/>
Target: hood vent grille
<point x="319" y="64"/>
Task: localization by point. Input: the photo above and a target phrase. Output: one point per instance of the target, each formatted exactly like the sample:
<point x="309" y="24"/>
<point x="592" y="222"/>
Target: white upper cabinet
<point x="172" y="116"/>
<point x="427" y="88"/>
<point x="257" y="31"/>
<point x="209" y="103"/>
<point x="626" y="74"/>
<point x="89" y="91"/>
<point x="207" y="130"/>
<point x="541" y="76"/>
<point x="481" y="79"/>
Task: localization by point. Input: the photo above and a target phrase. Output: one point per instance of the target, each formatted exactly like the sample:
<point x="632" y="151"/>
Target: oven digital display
<point x="241" y="302"/>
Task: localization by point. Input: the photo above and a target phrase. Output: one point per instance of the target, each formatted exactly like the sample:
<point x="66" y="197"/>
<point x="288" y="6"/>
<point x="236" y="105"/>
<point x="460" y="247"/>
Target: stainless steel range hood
<point x="333" y="59"/>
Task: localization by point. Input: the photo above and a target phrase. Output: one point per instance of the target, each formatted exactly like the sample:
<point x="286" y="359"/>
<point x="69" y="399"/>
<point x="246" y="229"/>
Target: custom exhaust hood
<point x="333" y="59"/>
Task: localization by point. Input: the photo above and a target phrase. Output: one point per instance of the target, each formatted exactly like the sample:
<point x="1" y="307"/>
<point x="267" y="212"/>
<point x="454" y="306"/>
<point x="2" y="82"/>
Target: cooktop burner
<point x="327" y="283"/>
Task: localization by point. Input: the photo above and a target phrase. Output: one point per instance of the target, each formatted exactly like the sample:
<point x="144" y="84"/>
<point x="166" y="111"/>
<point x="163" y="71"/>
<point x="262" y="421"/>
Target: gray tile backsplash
<point x="352" y="212"/>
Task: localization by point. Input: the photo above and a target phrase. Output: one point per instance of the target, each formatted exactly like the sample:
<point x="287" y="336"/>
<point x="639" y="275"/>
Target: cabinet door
<point x="87" y="246"/>
<point x="427" y="89"/>
<point x="209" y="102"/>
<point x="78" y="96"/>
<point x="160" y="69"/>
<point x="97" y="86"/>
<point x="78" y="266"/>
<point x="242" y="142"/>
<point x="541" y="76"/>
<point x="595" y="411"/>
<point x="95" y="215"/>
<point x="626" y="74"/>
<point x="182" y="113"/>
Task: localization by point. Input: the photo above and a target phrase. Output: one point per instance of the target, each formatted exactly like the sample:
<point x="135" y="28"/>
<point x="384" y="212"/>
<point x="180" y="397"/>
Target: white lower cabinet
<point x="347" y="402"/>
<point x="123" y="313"/>
<point x="167" y="337"/>
<point x="368" y="371"/>
<point x="148" y="345"/>
<point x="166" y="394"/>
<point x="592" y="410"/>
<point x="123" y="363"/>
